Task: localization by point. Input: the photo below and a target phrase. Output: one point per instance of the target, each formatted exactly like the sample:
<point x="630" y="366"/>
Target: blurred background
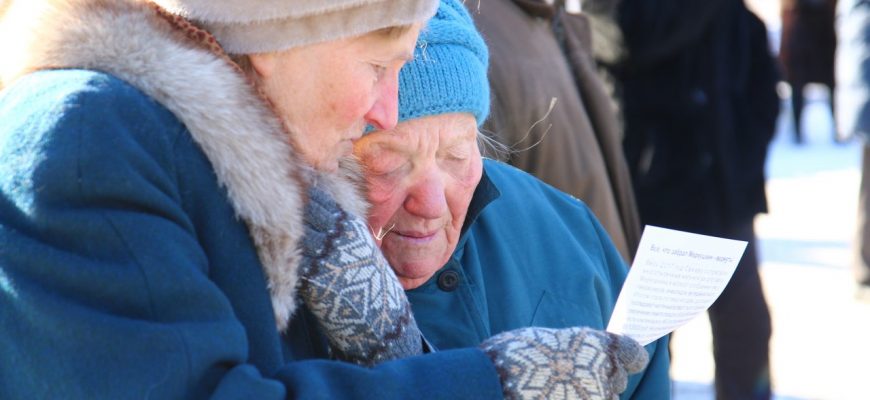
<point x="821" y="326"/>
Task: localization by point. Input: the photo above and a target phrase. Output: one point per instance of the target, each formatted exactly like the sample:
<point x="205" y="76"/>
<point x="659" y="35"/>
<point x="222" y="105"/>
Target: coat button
<point x="448" y="280"/>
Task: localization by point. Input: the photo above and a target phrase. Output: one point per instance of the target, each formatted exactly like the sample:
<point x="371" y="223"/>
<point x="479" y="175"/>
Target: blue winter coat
<point x="124" y="272"/>
<point x="529" y="255"/>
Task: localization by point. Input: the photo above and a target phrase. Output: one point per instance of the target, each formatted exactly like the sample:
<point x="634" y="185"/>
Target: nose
<point x="427" y="199"/>
<point x="384" y="114"/>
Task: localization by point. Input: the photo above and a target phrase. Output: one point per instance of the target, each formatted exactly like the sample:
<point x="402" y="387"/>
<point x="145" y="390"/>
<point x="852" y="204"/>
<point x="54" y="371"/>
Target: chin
<point x="414" y="273"/>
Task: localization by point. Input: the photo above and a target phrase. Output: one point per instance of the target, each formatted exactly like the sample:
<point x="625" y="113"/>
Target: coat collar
<point x="484" y="194"/>
<point x="249" y="149"/>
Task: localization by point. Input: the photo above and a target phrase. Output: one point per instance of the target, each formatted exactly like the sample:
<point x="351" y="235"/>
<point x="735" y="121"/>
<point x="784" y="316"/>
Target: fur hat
<point x="448" y="73"/>
<point x="246" y="27"/>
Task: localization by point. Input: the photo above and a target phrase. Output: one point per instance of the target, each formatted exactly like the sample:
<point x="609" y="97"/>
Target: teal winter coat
<point x="529" y="255"/>
<point x="150" y="209"/>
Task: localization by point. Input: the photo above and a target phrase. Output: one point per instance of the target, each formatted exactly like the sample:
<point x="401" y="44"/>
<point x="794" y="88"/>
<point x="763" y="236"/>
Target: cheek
<point x="458" y="199"/>
<point x="459" y="193"/>
<point x="351" y="98"/>
<point x="349" y="107"/>
<point x="385" y="203"/>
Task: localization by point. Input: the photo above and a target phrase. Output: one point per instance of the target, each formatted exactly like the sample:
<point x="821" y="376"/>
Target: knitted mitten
<point x="351" y="289"/>
<point x="572" y="363"/>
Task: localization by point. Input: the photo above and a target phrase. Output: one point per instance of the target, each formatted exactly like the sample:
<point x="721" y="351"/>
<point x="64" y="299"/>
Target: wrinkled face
<point x="327" y="92"/>
<point x="420" y="178"/>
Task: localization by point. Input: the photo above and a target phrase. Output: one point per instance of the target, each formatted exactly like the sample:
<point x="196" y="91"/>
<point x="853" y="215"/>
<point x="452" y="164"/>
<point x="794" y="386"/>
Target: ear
<point x="263" y="63"/>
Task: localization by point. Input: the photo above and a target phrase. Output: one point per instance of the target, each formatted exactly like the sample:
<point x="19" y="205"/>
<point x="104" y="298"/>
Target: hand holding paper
<point x="675" y="276"/>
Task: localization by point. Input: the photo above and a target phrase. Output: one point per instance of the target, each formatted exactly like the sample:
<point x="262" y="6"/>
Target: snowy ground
<point x="821" y="333"/>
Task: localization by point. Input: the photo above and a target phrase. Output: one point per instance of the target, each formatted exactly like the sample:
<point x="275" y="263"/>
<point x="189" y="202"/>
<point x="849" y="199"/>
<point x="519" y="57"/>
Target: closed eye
<point x="456" y="154"/>
<point x="387" y="172"/>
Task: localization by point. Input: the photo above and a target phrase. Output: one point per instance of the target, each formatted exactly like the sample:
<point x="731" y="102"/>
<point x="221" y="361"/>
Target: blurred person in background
<point x="806" y="52"/>
<point x="853" y="116"/>
<point x="542" y="51"/>
<point x="697" y="86"/>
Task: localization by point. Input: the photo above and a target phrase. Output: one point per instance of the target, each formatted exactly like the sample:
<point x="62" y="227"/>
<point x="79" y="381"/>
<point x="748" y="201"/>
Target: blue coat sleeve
<point x="654" y="383"/>
<point x="104" y="287"/>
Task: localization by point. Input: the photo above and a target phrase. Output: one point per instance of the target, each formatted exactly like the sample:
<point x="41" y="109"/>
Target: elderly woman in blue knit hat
<point x="484" y="249"/>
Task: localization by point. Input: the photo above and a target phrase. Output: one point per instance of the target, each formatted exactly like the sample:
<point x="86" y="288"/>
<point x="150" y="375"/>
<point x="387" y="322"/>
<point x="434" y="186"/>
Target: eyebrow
<point x="404" y="57"/>
<point x="459" y="140"/>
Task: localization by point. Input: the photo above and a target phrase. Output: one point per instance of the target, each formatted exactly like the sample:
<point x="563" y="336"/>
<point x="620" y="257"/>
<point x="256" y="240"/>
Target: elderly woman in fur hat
<point x="178" y="217"/>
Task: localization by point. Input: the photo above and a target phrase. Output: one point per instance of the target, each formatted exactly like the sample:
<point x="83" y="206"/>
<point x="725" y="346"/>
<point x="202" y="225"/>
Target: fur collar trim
<point x="244" y="140"/>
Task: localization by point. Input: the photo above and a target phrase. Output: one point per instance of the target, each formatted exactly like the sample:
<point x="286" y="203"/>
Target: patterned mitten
<point x="572" y="363"/>
<point x="351" y="289"/>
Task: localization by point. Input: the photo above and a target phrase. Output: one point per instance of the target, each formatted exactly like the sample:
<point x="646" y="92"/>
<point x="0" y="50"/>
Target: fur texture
<point x="244" y="140"/>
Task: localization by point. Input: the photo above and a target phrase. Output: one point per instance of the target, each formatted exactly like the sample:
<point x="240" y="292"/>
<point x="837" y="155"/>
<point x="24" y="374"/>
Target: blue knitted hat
<point x="448" y="72"/>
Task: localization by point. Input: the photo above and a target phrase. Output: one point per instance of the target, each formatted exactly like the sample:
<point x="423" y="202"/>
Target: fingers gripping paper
<point x="675" y="276"/>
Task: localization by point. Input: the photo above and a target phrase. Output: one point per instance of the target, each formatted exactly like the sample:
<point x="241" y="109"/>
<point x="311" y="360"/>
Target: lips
<point x="415" y="236"/>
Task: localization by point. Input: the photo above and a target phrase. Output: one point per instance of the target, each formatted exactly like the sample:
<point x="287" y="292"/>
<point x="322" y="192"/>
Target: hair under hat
<point x="247" y="27"/>
<point x="448" y="72"/>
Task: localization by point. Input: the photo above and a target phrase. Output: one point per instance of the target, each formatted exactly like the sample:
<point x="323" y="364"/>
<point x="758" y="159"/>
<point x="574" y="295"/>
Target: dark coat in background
<point x="700" y="101"/>
<point x="806" y="53"/>
<point x="808" y="41"/>
<point x="700" y="105"/>
<point x="538" y="52"/>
